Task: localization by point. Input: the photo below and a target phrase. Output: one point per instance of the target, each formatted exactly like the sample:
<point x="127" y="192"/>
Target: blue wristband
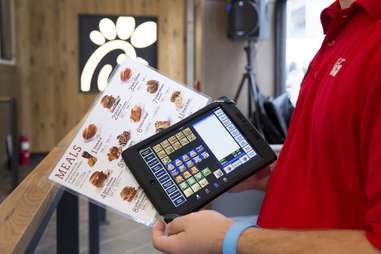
<point x="232" y="236"/>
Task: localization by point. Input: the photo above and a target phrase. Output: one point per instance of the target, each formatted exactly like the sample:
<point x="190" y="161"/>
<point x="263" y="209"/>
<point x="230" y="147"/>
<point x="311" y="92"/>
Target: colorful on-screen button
<point x="156" y="168"/>
<point x="168" y="184"/>
<point x="145" y="152"/>
<point x="219" y="112"/>
<point x="226" y="122"/>
<point x="244" y="158"/>
<point x="243" y="143"/>
<point x="153" y="163"/>
<point x="179" y="201"/>
<point x="251" y="154"/>
<point x="222" y="117"/>
<point x="247" y="149"/>
<point x="204" y="155"/>
<point x="164" y="178"/>
<point x="218" y="173"/>
<point x="197" y="159"/>
<point x="175" y="195"/>
<point x="171" y="189"/>
<point x="231" y="128"/>
<point x="149" y="157"/>
<point x="236" y="164"/>
<point x="200" y="149"/>
<point x="160" y="173"/>
<point x="228" y="169"/>
<point x="234" y="133"/>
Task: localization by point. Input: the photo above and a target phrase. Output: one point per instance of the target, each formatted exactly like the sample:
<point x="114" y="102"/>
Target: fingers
<point x="158" y="229"/>
<point x="263" y="173"/>
<point x="177" y="226"/>
<point x="160" y="241"/>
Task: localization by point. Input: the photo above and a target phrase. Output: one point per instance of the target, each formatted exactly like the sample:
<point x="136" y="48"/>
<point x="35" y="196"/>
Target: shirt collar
<point x="328" y="14"/>
<point x="372" y="7"/>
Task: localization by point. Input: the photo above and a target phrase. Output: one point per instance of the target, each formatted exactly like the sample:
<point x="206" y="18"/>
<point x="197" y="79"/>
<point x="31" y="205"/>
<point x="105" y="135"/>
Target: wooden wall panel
<point x="47" y="58"/>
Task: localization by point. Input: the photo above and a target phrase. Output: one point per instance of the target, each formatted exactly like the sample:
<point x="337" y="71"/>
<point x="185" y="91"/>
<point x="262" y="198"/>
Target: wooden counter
<point x="25" y="208"/>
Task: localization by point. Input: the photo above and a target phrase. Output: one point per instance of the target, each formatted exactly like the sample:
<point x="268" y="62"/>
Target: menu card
<point x="137" y="103"/>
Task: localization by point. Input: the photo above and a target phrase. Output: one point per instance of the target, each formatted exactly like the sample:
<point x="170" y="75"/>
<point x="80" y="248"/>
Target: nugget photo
<point x="89" y="132"/>
<point x="128" y="193"/>
<point x="108" y="101"/>
<point x="123" y="138"/>
<point x="98" y="178"/>
<point x="114" y="153"/>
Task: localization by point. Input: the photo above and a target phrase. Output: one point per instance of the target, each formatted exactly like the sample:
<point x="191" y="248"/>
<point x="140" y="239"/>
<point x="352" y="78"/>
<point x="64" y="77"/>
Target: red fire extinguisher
<point x="24" y="150"/>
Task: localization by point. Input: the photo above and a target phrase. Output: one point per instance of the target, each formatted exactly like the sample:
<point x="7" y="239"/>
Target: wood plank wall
<point x="47" y="58"/>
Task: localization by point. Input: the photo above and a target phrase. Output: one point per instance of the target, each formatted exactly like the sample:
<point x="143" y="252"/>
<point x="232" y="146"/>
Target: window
<point x="7" y="49"/>
<point x="303" y="39"/>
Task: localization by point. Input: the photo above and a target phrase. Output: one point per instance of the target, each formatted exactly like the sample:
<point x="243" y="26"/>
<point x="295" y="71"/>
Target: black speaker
<point x="247" y="19"/>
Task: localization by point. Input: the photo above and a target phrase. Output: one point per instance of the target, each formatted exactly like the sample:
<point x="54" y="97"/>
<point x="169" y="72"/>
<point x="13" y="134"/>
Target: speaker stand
<point x="249" y="78"/>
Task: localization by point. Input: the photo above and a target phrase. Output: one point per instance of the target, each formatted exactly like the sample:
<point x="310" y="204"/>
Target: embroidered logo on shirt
<point x="337" y="67"/>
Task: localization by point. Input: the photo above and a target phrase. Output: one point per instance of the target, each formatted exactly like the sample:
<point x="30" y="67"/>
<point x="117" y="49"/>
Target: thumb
<point x="160" y="241"/>
<point x="177" y="226"/>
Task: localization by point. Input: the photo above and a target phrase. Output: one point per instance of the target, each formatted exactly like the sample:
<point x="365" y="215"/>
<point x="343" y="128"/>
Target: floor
<point x="118" y="236"/>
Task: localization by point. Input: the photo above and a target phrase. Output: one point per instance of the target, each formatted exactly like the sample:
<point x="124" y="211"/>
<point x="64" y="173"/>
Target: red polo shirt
<point x="328" y="175"/>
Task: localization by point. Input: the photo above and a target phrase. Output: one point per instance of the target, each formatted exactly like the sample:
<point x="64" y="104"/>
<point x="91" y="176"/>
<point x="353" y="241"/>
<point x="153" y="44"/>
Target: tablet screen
<point x="194" y="161"/>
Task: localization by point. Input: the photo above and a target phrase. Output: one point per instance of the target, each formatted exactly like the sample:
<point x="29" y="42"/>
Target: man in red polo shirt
<point x="324" y="195"/>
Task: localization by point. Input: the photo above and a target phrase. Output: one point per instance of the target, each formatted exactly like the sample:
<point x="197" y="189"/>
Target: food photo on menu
<point x="137" y="103"/>
<point x="136" y="113"/>
<point x="125" y="74"/>
<point x="128" y="193"/>
<point x="109" y="102"/>
<point x="177" y="99"/>
<point x="161" y="125"/>
<point x="98" y="178"/>
<point x="152" y="86"/>
<point x="114" y="153"/>
<point x="89" y="132"/>
<point x="91" y="160"/>
<point x="123" y="138"/>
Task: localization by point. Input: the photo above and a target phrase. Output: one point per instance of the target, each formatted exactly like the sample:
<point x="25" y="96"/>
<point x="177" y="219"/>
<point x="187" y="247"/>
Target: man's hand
<point x="200" y="232"/>
<point x="258" y="181"/>
<point x="204" y="231"/>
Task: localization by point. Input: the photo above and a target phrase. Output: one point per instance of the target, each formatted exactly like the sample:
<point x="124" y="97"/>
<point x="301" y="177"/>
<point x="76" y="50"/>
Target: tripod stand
<point x="249" y="78"/>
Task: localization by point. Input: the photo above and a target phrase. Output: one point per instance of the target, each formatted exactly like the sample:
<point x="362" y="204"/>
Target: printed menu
<point x="137" y="103"/>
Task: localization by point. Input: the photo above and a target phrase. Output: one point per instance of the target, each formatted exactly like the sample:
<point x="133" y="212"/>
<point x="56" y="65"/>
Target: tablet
<point x="189" y="164"/>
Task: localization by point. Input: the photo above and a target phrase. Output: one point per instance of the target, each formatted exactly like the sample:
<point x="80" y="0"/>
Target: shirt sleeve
<point x="371" y="154"/>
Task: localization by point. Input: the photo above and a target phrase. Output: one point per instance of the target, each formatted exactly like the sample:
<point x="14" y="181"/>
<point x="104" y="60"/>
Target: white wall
<point x="224" y="60"/>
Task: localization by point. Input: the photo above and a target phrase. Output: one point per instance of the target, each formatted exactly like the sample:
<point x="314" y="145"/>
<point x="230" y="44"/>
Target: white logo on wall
<point x="126" y="37"/>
